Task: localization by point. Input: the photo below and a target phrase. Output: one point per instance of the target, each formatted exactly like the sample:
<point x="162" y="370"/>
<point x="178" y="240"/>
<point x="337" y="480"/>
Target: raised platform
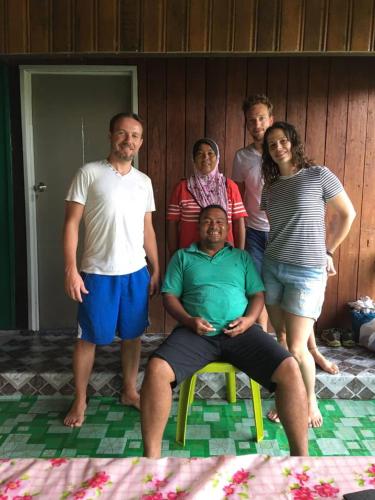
<point x="41" y="364"/>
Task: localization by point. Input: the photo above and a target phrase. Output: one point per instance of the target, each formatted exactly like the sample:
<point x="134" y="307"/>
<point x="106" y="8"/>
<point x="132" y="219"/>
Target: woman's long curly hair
<point x="270" y="169"/>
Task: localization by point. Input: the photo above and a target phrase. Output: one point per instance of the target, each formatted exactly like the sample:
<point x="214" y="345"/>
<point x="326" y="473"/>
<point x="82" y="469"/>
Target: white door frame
<point x="26" y="73"/>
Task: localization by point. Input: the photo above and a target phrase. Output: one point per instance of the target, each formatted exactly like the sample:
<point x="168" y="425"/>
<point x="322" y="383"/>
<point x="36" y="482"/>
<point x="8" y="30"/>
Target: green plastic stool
<point x="187" y="390"/>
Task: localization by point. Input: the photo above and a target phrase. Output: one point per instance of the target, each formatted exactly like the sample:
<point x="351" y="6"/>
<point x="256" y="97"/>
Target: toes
<point x="316" y="421"/>
<point x="273" y="416"/>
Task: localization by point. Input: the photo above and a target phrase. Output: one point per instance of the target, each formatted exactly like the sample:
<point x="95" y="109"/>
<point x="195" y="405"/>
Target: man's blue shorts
<point x="114" y="304"/>
<point x="256" y="242"/>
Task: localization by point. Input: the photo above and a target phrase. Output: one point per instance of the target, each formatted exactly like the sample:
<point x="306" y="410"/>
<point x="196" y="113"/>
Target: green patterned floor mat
<point x="32" y="427"/>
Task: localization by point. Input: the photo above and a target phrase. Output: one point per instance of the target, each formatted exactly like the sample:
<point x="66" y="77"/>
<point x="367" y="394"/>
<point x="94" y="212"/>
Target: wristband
<point x="329" y="253"/>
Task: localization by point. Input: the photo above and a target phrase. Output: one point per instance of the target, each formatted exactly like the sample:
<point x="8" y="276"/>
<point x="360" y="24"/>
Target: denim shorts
<point x="256" y="242"/>
<point x="296" y="289"/>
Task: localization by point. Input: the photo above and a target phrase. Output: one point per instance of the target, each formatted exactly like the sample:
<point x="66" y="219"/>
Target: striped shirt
<point x="184" y="208"/>
<point x="295" y="206"/>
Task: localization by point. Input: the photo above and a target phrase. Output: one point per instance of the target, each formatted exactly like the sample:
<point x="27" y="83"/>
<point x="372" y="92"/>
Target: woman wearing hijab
<point x="207" y="186"/>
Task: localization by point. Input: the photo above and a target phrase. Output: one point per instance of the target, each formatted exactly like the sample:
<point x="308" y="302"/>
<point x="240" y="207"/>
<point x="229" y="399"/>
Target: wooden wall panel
<point x="156" y="166"/>
<point x="235" y="122"/>
<point x="107" y="26"/>
<point x="85" y="26"/>
<point x="221" y="40"/>
<point x="337" y="115"/>
<point x="175" y="152"/>
<point x="366" y="271"/>
<point x="317" y="110"/>
<point x="330" y="100"/>
<point x="244" y="25"/>
<point x="153" y="17"/>
<point x="198" y="20"/>
<point x="195" y="106"/>
<point x="39" y="14"/>
<point x="267" y="26"/>
<point x="16" y="25"/>
<point x="315" y="95"/>
<point x="130" y="25"/>
<point x="62" y="26"/>
<point x="353" y="177"/>
<point x="337" y="25"/>
<point x="297" y="94"/>
<point x="257" y="76"/>
<point x="176" y="94"/>
<point x="183" y="26"/>
<point x="362" y="25"/>
<point x="291" y="25"/>
<point x="277" y="86"/>
<point x="314" y="26"/>
<point x="176" y="26"/>
<point x="216" y="104"/>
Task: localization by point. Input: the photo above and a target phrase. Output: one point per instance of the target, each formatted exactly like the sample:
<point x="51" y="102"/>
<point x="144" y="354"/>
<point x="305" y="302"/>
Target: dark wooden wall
<point x="181" y="26"/>
<point x="332" y="103"/>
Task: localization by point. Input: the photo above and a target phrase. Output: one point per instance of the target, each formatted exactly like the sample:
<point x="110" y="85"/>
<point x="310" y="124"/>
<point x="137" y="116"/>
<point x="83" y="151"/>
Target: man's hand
<point x="199" y="325"/>
<point x="154" y="286"/>
<point x="74" y="285"/>
<point x="238" y="326"/>
<point x="331" y="271"/>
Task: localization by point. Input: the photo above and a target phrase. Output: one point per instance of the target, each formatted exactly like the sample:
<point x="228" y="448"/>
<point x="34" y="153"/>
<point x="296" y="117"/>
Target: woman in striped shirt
<point x="205" y="187"/>
<point x="299" y="254"/>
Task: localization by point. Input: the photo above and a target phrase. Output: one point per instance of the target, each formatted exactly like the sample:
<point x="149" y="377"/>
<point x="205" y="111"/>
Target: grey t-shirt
<point x="295" y="206"/>
<point x="247" y="168"/>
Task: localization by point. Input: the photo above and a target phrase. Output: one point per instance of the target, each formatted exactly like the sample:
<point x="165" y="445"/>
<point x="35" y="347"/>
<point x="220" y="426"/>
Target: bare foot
<point x="315" y="417"/>
<point x="273" y="416"/>
<point x="324" y="363"/>
<point x="134" y="400"/>
<point x="76" y="414"/>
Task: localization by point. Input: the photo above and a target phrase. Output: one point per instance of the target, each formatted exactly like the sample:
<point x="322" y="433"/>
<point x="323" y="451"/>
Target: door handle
<point x="40" y="188"/>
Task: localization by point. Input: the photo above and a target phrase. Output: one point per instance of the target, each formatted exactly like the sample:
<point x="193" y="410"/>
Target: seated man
<point x="215" y="294"/>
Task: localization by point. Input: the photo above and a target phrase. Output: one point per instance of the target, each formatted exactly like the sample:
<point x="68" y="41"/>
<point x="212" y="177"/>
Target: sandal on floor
<point x="331" y="337"/>
<point x="347" y="338"/>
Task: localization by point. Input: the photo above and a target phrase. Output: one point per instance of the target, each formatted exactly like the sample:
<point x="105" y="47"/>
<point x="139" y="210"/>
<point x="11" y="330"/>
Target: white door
<point x="66" y="111"/>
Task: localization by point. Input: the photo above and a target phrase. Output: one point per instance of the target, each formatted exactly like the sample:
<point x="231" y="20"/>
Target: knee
<point x="299" y="352"/>
<point x="288" y="372"/>
<point x="159" y="370"/>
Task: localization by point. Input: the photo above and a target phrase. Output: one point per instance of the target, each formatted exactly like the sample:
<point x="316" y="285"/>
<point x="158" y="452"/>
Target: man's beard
<point x="122" y="157"/>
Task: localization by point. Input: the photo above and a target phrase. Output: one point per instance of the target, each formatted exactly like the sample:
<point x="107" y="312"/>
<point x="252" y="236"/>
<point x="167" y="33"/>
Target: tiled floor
<point x="32" y="427"/>
<point x="40" y="363"/>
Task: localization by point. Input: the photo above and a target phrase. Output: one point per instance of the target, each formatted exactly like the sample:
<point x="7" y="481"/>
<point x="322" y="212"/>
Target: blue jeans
<point x="256" y="242"/>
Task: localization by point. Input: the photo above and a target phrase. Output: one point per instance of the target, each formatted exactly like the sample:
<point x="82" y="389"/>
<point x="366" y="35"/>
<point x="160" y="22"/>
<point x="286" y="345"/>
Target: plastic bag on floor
<point x="367" y="335"/>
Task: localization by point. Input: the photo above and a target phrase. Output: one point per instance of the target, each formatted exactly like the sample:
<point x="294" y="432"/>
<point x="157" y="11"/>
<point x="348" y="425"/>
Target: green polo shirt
<point x="214" y="288"/>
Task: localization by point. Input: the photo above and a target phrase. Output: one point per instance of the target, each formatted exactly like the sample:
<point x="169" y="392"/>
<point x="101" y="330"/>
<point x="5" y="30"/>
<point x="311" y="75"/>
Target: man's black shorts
<point x="254" y="352"/>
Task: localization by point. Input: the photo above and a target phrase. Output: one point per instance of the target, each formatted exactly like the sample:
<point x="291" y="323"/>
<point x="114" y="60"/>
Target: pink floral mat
<point x="224" y="477"/>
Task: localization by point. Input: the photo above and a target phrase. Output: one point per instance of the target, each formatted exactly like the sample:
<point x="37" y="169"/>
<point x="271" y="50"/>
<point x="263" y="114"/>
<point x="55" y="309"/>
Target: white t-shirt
<point x="115" y="207"/>
<point x="247" y="168"/>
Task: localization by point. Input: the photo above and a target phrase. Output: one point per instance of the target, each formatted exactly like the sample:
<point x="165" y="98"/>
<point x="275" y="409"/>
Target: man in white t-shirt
<point x="247" y="173"/>
<point x="116" y="202"/>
